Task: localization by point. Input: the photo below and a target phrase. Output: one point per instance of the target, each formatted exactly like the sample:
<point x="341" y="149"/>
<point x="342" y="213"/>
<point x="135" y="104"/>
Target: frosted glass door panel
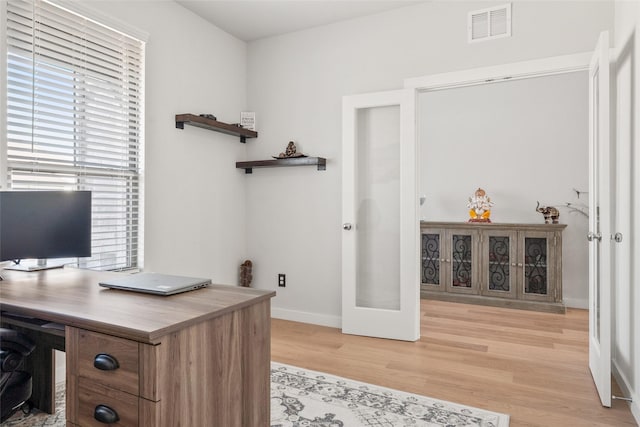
<point x="378" y="208"/>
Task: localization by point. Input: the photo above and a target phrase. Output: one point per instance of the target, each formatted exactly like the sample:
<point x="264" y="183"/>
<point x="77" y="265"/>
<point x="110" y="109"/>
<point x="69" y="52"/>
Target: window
<point x="75" y="120"/>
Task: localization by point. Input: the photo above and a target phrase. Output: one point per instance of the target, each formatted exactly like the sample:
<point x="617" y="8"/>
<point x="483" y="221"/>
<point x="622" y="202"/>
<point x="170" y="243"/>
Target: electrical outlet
<point x="282" y="280"/>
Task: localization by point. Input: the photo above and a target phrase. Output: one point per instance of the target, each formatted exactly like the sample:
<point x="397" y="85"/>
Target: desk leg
<point x="41" y="364"/>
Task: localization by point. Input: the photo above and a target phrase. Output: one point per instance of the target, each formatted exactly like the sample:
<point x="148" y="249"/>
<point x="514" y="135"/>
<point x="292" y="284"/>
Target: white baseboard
<point x="336" y="321"/>
<point x="623" y="382"/>
<point x="306" y="317"/>
<point x="621" y="379"/>
<point x="635" y="411"/>
<point x="576" y="303"/>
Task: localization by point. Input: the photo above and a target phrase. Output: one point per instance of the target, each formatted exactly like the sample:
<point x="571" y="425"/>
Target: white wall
<point x="195" y="197"/>
<point x="522" y="141"/>
<point x="295" y="85"/>
<point x="626" y="343"/>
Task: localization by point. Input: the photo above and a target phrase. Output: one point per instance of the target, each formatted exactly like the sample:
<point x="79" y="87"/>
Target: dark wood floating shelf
<point x="205" y="123"/>
<point x="296" y="161"/>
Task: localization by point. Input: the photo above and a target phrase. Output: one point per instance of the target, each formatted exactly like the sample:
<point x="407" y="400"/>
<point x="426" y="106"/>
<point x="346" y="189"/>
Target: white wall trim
<point x="582" y="303"/>
<point x="515" y="70"/>
<point x="623" y="382"/>
<point x="306" y="317"/>
<point x="621" y="379"/>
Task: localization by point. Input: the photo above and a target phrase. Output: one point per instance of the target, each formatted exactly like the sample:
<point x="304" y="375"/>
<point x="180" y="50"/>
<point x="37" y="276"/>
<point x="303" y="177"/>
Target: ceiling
<point x="252" y="20"/>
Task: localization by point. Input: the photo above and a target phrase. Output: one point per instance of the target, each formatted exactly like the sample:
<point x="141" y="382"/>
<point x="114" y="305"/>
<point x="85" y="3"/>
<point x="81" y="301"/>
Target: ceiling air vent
<point x="490" y="23"/>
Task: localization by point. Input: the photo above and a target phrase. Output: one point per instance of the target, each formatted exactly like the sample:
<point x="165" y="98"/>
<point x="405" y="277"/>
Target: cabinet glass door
<point x="499" y="249"/>
<point x="536" y="273"/>
<point x="461" y="262"/>
<point x="431" y="258"/>
<point x="536" y="279"/>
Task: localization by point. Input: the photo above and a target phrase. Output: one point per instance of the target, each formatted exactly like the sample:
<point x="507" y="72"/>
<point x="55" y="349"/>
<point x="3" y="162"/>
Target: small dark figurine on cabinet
<point x="550" y="214"/>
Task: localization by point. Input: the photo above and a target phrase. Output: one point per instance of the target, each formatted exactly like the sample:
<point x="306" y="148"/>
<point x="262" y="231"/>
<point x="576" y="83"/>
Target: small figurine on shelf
<point x="479" y="206"/>
<point x="289" y="152"/>
<point x="209" y="116"/>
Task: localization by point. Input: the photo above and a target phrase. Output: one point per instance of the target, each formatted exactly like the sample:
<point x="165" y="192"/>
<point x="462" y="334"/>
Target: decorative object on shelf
<point x="479" y="206"/>
<point x="248" y="120"/>
<point x="209" y="116"/>
<point x="290" y="152"/>
<point x="246" y="275"/>
<point x="550" y="213"/>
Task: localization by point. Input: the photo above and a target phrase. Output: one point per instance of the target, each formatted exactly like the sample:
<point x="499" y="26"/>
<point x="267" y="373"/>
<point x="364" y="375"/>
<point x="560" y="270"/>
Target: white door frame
<point x="403" y="323"/>
<point x="512" y="71"/>
<point x="520" y="70"/>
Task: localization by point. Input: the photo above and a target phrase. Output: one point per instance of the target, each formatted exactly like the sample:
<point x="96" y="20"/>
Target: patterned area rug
<point x="300" y="397"/>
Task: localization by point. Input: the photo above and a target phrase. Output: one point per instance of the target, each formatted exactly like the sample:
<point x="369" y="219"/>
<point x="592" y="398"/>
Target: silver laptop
<point x="156" y="283"/>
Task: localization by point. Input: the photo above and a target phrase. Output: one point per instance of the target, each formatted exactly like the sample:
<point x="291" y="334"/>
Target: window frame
<point x="135" y="176"/>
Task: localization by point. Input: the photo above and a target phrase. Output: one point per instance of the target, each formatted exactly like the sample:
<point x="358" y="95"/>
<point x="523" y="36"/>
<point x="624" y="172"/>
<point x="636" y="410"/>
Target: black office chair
<point x="15" y="385"/>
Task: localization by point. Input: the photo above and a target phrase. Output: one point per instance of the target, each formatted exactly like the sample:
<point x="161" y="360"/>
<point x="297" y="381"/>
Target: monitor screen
<point x="45" y="224"/>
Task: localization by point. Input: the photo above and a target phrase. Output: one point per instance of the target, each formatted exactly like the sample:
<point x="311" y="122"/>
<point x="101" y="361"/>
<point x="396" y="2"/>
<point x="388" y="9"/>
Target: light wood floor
<point x="532" y="366"/>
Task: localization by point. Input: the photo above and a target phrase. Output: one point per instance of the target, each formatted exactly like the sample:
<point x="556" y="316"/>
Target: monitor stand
<point x="41" y="264"/>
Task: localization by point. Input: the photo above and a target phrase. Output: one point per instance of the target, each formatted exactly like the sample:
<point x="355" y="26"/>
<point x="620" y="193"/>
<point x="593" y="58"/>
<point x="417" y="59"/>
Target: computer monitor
<point x="44" y="224"/>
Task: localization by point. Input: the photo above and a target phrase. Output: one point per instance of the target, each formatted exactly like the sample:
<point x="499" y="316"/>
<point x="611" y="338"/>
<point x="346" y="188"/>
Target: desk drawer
<point x="91" y="395"/>
<point x="92" y="345"/>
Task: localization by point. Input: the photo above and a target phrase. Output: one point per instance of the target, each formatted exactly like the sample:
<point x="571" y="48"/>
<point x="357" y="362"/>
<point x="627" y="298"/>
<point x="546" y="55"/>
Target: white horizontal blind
<point x="74" y="119"/>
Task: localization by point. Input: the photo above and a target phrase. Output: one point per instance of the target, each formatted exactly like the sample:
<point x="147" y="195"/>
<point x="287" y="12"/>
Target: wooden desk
<point x="199" y="358"/>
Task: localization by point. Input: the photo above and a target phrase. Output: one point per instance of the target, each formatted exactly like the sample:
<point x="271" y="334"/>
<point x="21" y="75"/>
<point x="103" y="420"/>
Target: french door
<point x="599" y="235"/>
<point x="380" y="251"/>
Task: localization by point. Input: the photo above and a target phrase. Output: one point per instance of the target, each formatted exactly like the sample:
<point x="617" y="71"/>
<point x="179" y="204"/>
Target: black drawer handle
<point x="106" y="362"/>
<point x="105" y="415"/>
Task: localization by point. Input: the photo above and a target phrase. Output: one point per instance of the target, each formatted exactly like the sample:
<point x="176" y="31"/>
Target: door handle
<point x="617" y="237"/>
<point x="591" y="236"/>
<point x="346" y="226"/>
